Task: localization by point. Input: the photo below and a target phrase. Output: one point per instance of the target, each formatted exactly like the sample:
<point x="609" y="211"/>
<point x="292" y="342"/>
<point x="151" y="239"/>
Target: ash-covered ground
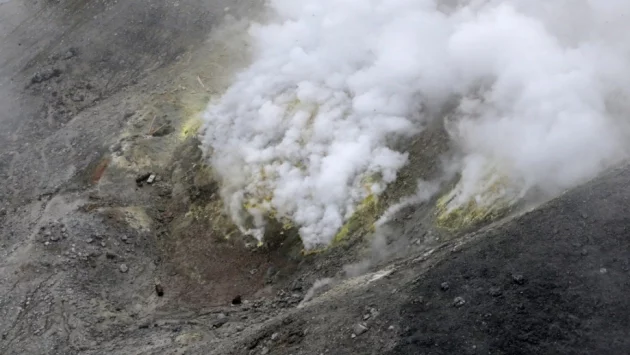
<point x="115" y="240"/>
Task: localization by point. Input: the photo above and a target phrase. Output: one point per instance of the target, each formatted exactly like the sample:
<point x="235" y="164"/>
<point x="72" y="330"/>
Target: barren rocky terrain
<point x="113" y="238"/>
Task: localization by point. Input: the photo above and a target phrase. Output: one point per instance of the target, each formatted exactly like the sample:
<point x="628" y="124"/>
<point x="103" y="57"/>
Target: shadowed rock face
<point x="551" y="281"/>
<point x="93" y="261"/>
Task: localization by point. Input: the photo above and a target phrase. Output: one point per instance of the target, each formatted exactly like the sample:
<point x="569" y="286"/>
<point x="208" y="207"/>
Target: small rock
<point x="264" y="351"/>
<point x="54" y="238"/>
<point x="275" y="336"/>
<point x="218" y="323"/>
<point x="518" y="279"/>
<point x="584" y="252"/>
<point x="159" y="290"/>
<point x="163" y="130"/>
<point x="236" y="300"/>
<point x="151" y="179"/>
<point x="45" y="75"/>
<point x="270" y="275"/>
<point x="359" y="329"/>
<point x="418" y="300"/>
<point x="142" y="177"/>
<point x="90" y="240"/>
<point x="70" y="53"/>
<point x="445" y="286"/>
<point x="495" y="292"/>
<point x="603" y="270"/>
<point x="95" y="253"/>
<point x="459" y="301"/>
<point x="47" y="243"/>
<point x="391" y="327"/>
<point x="124" y="268"/>
<point x="296" y="285"/>
<point x="78" y="98"/>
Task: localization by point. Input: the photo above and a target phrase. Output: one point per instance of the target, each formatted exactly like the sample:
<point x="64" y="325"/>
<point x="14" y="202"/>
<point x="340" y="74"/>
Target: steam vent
<point x="308" y="177"/>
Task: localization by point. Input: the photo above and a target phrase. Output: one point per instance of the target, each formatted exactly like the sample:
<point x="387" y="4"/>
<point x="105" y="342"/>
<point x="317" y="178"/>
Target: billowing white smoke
<point x="305" y="132"/>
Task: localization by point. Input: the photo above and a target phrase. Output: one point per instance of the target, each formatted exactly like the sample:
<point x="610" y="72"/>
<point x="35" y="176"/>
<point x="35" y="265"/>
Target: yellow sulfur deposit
<point x="464" y="216"/>
<point x="190" y="127"/>
<point x="365" y="216"/>
<point x="493" y="202"/>
<point x="363" y="219"/>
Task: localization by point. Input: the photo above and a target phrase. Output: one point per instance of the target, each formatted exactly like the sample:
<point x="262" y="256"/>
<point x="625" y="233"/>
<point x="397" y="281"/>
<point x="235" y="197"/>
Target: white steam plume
<point x="424" y="192"/>
<point x="305" y="131"/>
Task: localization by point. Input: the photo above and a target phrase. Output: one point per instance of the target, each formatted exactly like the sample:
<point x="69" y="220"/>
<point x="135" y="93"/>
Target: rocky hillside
<point x="114" y="238"/>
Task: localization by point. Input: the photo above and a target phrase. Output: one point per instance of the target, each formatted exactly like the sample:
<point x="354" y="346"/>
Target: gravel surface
<point x="113" y="238"/>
